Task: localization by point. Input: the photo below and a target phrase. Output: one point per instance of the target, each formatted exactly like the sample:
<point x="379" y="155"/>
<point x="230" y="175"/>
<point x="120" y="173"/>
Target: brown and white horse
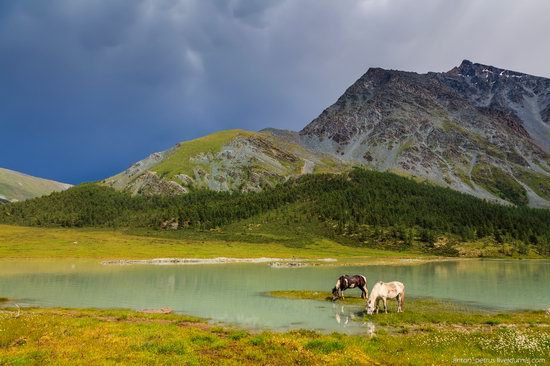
<point x="345" y="282"/>
<point x="383" y="291"/>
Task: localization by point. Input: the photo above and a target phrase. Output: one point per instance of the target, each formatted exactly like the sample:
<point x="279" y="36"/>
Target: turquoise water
<point x="233" y="293"/>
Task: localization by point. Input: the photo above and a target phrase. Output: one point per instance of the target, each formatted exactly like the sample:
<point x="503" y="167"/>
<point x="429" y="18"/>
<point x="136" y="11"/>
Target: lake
<point x="234" y="293"/>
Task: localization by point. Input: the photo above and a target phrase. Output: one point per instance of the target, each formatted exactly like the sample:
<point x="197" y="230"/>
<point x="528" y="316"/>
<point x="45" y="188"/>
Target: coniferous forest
<point x="358" y="206"/>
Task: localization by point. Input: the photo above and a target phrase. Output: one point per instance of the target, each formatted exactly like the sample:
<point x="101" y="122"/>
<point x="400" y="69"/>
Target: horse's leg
<point x="364" y="293"/>
<point x="385" y="305"/>
<point x="377" y="303"/>
<point x="398" y="299"/>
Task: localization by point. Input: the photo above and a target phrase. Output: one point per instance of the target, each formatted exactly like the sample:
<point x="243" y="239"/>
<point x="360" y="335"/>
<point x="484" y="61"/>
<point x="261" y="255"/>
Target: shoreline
<point x="282" y="262"/>
<point x="216" y="260"/>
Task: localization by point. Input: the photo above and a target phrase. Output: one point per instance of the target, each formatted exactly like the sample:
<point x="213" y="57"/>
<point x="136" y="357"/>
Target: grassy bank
<point x="61" y="336"/>
<point x="436" y="332"/>
<point x="427" y="333"/>
<point x="32" y="242"/>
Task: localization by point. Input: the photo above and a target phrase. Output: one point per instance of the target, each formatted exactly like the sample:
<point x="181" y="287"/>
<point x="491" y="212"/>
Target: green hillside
<point x="233" y="160"/>
<point x="15" y="186"/>
<point x="360" y="208"/>
<point x="179" y="161"/>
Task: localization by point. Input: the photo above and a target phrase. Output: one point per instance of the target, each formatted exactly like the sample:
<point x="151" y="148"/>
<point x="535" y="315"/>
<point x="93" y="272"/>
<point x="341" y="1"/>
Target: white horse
<point x="383" y="291"/>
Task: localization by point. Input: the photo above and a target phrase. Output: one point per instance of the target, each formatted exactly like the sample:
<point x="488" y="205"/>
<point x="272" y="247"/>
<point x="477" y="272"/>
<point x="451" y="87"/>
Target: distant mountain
<point x="224" y="161"/>
<point x="477" y="129"/>
<point x="15" y="186"/>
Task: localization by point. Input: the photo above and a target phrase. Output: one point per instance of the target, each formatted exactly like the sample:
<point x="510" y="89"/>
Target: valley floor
<point x="32" y="242"/>
<point x="429" y="332"/>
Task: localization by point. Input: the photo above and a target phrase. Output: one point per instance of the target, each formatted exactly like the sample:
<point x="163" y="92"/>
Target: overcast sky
<point x="87" y="87"/>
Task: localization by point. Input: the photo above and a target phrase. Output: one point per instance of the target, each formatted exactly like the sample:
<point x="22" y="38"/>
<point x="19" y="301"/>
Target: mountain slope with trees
<point x="361" y="208"/>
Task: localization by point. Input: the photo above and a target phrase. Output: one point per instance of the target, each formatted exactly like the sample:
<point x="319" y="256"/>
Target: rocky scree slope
<point x="476" y="128"/>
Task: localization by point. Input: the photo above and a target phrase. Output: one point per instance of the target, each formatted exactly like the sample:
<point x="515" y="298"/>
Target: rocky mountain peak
<point x="470" y="69"/>
<point x="467" y="128"/>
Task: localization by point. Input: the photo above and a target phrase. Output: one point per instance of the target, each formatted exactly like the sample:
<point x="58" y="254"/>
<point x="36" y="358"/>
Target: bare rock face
<point x="446" y="127"/>
<point x="124" y="179"/>
<point x="149" y="183"/>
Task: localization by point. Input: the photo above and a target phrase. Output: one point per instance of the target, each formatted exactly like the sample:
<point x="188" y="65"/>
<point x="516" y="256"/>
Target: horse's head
<point x="335" y="294"/>
<point x="371" y="305"/>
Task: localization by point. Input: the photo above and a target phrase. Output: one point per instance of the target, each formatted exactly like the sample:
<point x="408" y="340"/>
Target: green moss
<point x="405" y="146"/>
<point x="463" y="177"/>
<point x="480" y="141"/>
<point x="544" y="167"/>
<point x="499" y="183"/>
<point x="540" y="183"/>
<point x="324" y="346"/>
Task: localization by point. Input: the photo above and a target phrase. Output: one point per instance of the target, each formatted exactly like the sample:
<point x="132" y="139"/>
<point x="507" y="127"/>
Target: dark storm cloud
<point x="87" y="87"/>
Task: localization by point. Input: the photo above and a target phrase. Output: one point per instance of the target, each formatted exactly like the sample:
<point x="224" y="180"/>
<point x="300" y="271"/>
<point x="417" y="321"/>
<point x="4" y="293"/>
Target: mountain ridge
<point x="16" y="186"/>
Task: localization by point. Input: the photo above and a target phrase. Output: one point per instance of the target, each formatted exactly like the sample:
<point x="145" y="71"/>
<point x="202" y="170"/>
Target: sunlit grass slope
<point x="26" y="242"/>
<point x="178" y="161"/>
<point x="18" y="186"/>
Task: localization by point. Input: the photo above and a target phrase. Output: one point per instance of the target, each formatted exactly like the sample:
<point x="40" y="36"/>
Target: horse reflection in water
<point x="346" y="314"/>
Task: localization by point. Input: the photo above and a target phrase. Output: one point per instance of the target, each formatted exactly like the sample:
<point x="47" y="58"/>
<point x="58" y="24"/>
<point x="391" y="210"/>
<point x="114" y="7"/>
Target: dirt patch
<point x="198" y="325"/>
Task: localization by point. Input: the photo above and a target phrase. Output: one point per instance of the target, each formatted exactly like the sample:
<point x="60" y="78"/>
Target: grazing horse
<point x="345" y="282"/>
<point x="383" y="291"/>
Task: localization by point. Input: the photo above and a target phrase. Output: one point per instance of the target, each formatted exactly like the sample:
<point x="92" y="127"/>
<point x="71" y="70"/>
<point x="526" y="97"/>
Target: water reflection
<point x="349" y="315"/>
